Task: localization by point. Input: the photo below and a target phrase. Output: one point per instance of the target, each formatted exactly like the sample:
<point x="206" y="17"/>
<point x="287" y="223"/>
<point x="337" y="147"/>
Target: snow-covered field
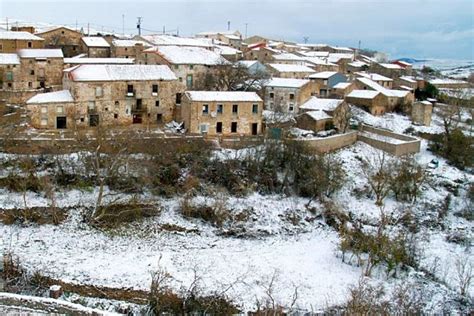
<point x="302" y="254"/>
<point x="449" y="67"/>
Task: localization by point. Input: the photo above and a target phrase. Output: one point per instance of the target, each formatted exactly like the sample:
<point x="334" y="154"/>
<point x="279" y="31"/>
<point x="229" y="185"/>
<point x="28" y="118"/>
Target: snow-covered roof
<point x="40" y="53"/>
<point x="318" y="115"/>
<point x="290" y="68"/>
<point x="9" y="59"/>
<point x="286" y="82"/>
<point x="26" y="36"/>
<point x="226" y="50"/>
<point x="128" y="43"/>
<point x="387" y="92"/>
<point x="54" y="27"/>
<point x="51" y="97"/>
<point x="95" y="41"/>
<point x="426" y="102"/>
<point x="322" y="75"/>
<point x="121" y="72"/>
<point x="406" y="88"/>
<point x="315" y="54"/>
<point x="373" y="76"/>
<point x="335" y="57"/>
<point x="168" y="40"/>
<point x="217" y="33"/>
<point x="404" y="63"/>
<point x="342" y="85"/>
<point x="288" y="56"/>
<point x="340" y="48"/>
<point x="98" y="61"/>
<point x="357" y="64"/>
<point x="223" y="96"/>
<point x="363" y="94"/>
<point x="315" y="103"/>
<point x="188" y="55"/>
<point x="390" y="66"/>
<point x="247" y="63"/>
<point x="410" y="79"/>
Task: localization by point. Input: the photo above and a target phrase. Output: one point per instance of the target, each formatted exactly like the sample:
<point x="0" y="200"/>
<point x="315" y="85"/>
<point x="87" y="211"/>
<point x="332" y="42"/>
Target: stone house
<point x="394" y="98"/>
<point x="190" y="64"/>
<point x="51" y="110"/>
<point x="323" y="82"/>
<point x="389" y="70"/>
<point x="231" y="38"/>
<point x="30" y="72"/>
<point x="128" y="48"/>
<point x="286" y="94"/>
<point x="67" y="39"/>
<point x="314" y="120"/>
<point x="10" y="41"/>
<point x="408" y="68"/>
<point x="337" y="112"/>
<point x="381" y="80"/>
<point x="95" y="46"/>
<point x="229" y="53"/>
<point x="261" y="53"/>
<point x="341" y="89"/>
<point x="290" y="71"/>
<point x="226" y="113"/>
<point x="112" y="95"/>
<point x="321" y="64"/>
<point x="356" y="66"/>
<point x="370" y="100"/>
<point x="288" y="58"/>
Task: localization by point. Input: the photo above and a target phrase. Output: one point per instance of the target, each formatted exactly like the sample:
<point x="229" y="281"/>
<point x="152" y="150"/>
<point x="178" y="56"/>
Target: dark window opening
<point x="139" y="104"/>
<point x="178" y="98"/>
<point x="219" y="127"/>
<point x="130" y="88"/>
<point x="254" y="128"/>
<point x="272" y="95"/>
<point x="255" y="108"/>
<point x="30" y="45"/>
<point x="220" y="108"/>
<point x="32" y="72"/>
<point x="233" y="127"/>
<point x="159" y="118"/>
<point x="235" y="108"/>
<point x="61" y="122"/>
<point x="155" y="88"/>
<point x="93" y="120"/>
<point x="292" y="96"/>
<point x="115" y="116"/>
<point x="157" y="103"/>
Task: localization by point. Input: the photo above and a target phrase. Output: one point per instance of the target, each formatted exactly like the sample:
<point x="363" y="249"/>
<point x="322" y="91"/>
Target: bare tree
<point x="464" y="274"/>
<point x="377" y="170"/>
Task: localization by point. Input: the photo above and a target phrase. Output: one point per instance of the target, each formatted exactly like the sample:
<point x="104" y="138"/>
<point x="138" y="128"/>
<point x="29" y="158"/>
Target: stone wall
<point x="331" y="143"/>
<point x="409" y="145"/>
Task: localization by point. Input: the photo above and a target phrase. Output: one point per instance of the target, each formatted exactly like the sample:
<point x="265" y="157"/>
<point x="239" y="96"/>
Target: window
<point x="180" y="79"/>
<point x="235" y="108"/>
<point x="106" y="109"/>
<point x="291" y="107"/>
<point x="176" y="66"/>
<point x="191" y="67"/>
<point x="189" y="81"/>
<point x="233" y="127"/>
<point x="219" y="108"/>
<point x="60" y="109"/>
<point x="139" y="104"/>
<point x="117" y="103"/>
<point x="126" y="48"/>
<point x="115" y="116"/>
<point x="32" y="72"/>
<point x="30" y="84"/>
<point x="205" y="109"/>
<point x="272" y="95"/>
<point x="157" y="103"/>
<point x="203" y="128"/>
<point x="91" y="105"/>
<point x="44" y="121"/>
<point x="219" y="127"/>
<point x="178" y="98"/>
<point x="9" y="76"/>
<point x="130" y="89"/>
<point x="255" y="108"/>
<point x="292" y="96"/>
<point x="44" y="109"/>
<point x="82" y="119"/>
<point x="62" y="32"/>
<point x="29" y="45"/>
<point x="1" y="47"/>
<point x="159" y="117"/>
<point x="325" y="82"/>
<point x="9" y="85"/>
<point x="98" y="91"/>
<point x="154" y="89"/>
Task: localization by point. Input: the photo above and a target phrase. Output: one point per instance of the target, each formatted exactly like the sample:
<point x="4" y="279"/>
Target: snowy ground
<point x="304" y="255"/>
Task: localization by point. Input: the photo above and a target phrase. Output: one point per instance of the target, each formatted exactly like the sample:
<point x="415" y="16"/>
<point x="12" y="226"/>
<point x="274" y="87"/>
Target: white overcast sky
<point x="402" y="28"/>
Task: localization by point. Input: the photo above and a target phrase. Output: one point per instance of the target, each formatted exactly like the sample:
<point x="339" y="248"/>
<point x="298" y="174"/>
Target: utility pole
<point x="76" y="25"/>
<point x="88" y="30"/>
<point x="246" y="26"/>
<point x="164" y="29"/>
<point x="306" y="39"/>
<point x="177" y="31"/>
<point x="7" y="23"/>
<point x="139" y="25"/>
<point x="228" y="25"/>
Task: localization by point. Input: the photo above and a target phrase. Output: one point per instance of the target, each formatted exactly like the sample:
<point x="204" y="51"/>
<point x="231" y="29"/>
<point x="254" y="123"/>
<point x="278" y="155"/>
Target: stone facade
<point x="10" y="42"/>
<point x="287" y="99"/>
<point x="421" y="113"/>
<point x="221" y="117"/>
<point x="95" y="51"/>
<point x="376" y="105"/>
<point x="128" y="49"/>
<point x="68" y="40"/>
<point x="307" y="122"/>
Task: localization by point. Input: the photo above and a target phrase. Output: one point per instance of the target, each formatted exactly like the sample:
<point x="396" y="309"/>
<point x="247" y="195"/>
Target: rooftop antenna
<point x="228" y="25"/>
<point x="139" y="25"/>
<point x="306" y="39"/>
